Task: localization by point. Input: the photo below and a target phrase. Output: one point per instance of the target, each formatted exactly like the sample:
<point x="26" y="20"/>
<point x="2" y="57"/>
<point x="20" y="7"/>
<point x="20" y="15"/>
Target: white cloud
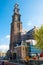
<point x="7" y="36"/>
<point x="29" y="23"/>
<point x="35" y="21"/>
<point x="4" y="48"/>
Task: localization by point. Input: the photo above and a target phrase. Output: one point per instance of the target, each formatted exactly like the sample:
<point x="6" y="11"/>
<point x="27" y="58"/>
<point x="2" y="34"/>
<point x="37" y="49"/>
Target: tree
<point x="38" y="36"/>
<point x="9" y="54"/>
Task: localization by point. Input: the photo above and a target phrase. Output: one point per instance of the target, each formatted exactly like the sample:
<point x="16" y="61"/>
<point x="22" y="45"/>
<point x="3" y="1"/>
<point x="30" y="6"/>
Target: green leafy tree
<point x="38" y="36"/>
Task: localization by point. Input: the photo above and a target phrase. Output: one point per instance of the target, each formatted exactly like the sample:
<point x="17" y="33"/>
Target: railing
<point x="32" y="62"/>
<point x="35" y="62"/>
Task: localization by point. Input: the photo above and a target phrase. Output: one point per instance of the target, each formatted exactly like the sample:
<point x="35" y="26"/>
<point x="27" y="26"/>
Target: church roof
<point x="28" y="35"/>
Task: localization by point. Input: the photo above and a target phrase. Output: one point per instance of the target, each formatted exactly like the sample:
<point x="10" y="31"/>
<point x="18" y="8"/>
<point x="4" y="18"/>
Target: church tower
<point x="16" y="28"/>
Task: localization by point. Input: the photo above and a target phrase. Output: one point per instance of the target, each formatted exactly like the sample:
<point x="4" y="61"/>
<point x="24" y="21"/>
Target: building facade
<point x="17" y="47"/>
<point x="16" y="28"/>
<point x="2" y="54"/>
<point x="21" y="51"/>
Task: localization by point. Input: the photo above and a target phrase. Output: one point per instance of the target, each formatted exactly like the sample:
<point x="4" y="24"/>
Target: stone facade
<point x="16" y="37"/>
<point x="16" y="28"/>
<point x="20" y="52"/>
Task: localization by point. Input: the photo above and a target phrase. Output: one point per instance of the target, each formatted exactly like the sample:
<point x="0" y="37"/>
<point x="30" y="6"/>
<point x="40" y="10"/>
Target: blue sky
<point x="31" y="15"/>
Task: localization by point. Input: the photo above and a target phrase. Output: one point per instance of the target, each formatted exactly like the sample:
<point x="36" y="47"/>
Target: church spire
<point x="16" y="28"/>
<point x="16" y="9"/>
<point x="16" y="16"/>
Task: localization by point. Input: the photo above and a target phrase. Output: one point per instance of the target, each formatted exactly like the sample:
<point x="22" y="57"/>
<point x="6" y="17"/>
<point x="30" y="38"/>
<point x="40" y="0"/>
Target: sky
<point x="31" y="15"/>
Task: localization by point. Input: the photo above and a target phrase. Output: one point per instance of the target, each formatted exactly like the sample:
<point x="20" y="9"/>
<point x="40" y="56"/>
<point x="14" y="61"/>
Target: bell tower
<point x="16" y="28"/>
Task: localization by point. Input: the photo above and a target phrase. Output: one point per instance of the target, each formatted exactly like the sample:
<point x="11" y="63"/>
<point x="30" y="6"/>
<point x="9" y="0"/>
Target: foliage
<point x="38" y="36"/>
<point x="8" y="54"/>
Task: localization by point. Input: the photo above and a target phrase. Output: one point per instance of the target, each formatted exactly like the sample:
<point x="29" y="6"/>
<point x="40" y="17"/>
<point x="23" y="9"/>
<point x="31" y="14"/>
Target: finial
<point x="16" y="8"/>
<point x="16" y="5"/>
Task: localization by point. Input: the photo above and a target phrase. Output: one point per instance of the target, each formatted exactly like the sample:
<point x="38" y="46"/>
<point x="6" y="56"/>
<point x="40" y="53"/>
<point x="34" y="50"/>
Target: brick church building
<point x="20" y="44"/>
<point x="16" y="28"/>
